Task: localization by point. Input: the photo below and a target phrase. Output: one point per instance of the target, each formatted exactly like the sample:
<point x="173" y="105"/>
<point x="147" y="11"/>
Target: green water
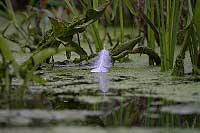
<point x="138" y="99"/>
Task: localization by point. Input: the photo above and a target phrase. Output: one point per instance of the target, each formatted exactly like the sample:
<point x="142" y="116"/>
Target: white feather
<point x="103" y="62"/>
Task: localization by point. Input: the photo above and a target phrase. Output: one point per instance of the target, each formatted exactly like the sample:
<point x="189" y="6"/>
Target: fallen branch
<point x="141" y="50"/>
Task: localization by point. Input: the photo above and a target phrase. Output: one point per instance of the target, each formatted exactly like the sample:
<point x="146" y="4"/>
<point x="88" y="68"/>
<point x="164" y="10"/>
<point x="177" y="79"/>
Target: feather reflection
<point x="103" y="80"/>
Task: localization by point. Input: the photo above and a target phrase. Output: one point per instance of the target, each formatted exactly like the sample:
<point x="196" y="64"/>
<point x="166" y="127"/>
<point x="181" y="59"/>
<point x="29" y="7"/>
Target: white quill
<point x="103" y="62"/>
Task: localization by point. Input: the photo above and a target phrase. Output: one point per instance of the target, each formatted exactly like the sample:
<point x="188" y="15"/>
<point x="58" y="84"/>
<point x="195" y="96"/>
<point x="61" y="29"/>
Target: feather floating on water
<point x="103" y="62"/>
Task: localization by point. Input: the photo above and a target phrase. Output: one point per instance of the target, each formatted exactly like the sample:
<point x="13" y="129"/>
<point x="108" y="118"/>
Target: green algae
<point x="128" y="79"/>
<point x="133" y="85"/>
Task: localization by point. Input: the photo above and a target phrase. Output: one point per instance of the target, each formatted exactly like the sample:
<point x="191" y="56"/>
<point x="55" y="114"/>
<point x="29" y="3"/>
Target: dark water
<point x="132" y="112"/>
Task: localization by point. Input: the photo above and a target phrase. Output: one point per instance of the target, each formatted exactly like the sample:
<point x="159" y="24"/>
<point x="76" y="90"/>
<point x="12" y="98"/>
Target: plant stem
<point x="121" y="21"/>
<point x="151" y="39"/>
<point x="95" y="5"/>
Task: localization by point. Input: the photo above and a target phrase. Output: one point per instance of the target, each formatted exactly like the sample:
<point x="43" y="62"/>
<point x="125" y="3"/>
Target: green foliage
<point x="120" y="4"/>
<point x="162" y="18"/>
<point x="168" y="30"/>
<point x="19" y="26"/>
<point x="149" y="6"/>
<point x="61" y="33"/>
<point x="10" y="69"/>
<point x="94" y="27"/>
<point x="191" y="42"/>
<point x="121" y="20"/>
<point x="196" y="17"/>
<point x="194" y="37"/>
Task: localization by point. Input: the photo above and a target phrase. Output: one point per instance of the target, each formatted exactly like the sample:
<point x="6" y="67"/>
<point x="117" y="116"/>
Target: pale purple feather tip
<point x="103" y="62"/>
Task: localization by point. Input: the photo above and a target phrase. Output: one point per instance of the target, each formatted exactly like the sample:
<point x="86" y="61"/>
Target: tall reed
<point x="168" y="26"/>
<point x="120" y="4"/>
<point x="94" y="29"/>
<point x="166" y="14"/>
<point x="121" y="21"/>
<point x="149" y="10"/>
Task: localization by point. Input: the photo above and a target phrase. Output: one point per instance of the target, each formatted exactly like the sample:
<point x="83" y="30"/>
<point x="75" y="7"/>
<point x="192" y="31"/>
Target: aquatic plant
<point x="165" y="29"/>
<point x="191" y="42"/>
<point x="63" y="32"/>
<point x="25" y="33"/>
<point x="168" y="29"/>
<point x="92" y="29"/>
<point x="10" y="69"/>
<point x="165" y="32"/>
<point x="149" y="11"/>
<point x="120" y="4"/>
<point x="120" y="49"/>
